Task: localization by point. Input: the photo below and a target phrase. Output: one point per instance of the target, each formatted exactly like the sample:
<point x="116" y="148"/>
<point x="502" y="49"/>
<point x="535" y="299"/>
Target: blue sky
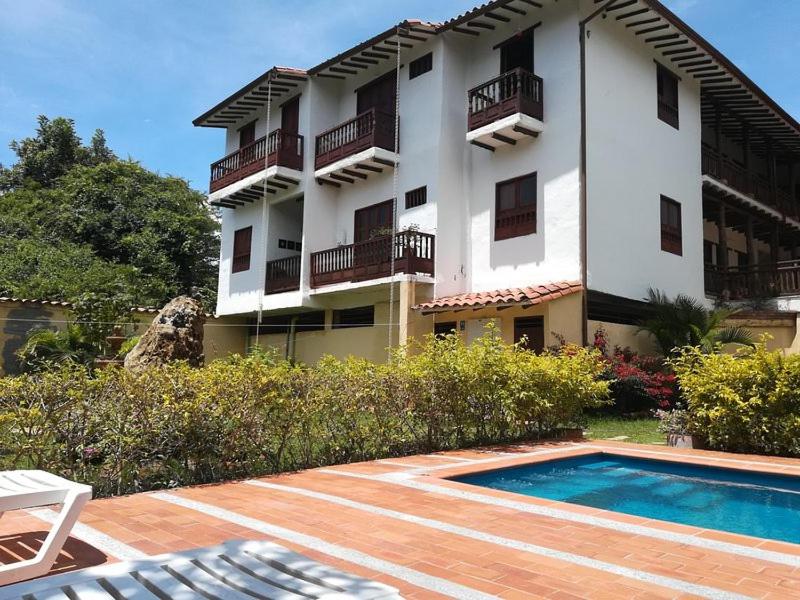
<point x="143" y="69"/>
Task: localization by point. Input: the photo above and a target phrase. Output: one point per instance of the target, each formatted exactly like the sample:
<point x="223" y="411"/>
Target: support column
<point x="722" y="248"/>
<point x="748" y="171"/>
<point x="752" y="255"/>
<point x="774" y="246"/>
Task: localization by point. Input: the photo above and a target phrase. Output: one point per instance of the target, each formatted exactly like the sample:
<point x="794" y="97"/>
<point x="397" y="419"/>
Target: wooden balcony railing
<point x="283" y="275"/>
<point x="370" y="129"/>
<point x="282" y="148"/>
<point x="517" y="91"/>
<point x="755" y="185"/>
<point x="413" y="253"/>
<point x="758" y="281"/>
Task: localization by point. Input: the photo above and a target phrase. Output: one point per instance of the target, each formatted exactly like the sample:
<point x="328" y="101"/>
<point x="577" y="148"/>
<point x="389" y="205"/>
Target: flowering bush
<point x="247" y="416"/>
<point x="638" y="383"/>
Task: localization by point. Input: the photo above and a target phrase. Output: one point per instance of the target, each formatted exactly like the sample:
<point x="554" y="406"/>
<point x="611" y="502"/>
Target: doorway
<point x="379" y="94"/>
<point x="517" y="52"/>
<point x="529" y="331"/>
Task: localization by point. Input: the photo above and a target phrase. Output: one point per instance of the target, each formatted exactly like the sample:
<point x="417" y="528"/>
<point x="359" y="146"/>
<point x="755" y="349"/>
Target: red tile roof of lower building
<point x="524" y="296"/>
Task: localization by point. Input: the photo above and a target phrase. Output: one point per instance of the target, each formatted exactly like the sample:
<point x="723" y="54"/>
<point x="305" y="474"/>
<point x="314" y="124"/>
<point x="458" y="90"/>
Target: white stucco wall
<point x="633" y="158"/>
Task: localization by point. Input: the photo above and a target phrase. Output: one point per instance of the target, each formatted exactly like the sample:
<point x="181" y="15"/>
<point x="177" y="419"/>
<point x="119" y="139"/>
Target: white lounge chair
<point x="29" y="489"/>
<point x="231" y="571"/>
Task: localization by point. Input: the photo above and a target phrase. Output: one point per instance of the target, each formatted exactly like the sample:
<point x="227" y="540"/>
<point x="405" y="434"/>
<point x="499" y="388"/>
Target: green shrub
<point x="748" y="402"/>
<point x="249" y="416"/>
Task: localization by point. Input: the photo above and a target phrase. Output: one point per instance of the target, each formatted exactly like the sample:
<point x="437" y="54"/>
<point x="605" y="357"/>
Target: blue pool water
<point x="758" y="504"/>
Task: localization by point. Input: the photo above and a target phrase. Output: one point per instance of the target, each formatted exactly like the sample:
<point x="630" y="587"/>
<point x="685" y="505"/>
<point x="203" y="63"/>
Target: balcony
<point x="355" y="149"/>
<point x="505" y="109"/>
<point x="757" y="281"/>
<point x="748" y="183"/>
<point x="371" y="259"/>
<point x="283" y="275"/>
<point x="281" y="149"/>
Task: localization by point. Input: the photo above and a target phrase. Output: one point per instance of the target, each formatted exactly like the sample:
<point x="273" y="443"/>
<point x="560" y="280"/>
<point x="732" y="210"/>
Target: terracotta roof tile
<point x="526" y="296"/>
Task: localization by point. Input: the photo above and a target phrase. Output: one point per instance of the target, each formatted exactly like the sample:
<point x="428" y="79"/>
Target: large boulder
<point x="175" y="334"/>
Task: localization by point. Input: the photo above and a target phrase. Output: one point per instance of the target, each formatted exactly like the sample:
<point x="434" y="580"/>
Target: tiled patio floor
<point x="399" y="522"/>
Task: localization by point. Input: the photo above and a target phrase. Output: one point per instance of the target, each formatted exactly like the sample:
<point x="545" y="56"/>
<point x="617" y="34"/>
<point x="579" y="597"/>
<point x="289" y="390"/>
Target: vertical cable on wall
<point x="263" y="269"/>
<point x="395" y="179"/>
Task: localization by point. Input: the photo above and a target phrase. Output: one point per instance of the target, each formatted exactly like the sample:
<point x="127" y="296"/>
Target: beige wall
<point x="625" y="336"/>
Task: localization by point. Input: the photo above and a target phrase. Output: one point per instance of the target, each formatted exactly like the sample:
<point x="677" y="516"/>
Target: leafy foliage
<point x="247" y="416"/>
<point x="685" y="321"/>
<point x="76" y="219"/>
<point x="748" y="402"/>
<point x="45" y="348"/>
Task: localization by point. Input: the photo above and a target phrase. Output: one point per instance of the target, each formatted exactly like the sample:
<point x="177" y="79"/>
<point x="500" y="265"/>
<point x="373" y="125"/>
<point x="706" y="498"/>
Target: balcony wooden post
<point x="748" y="172"/>
<point x="774" y="246"/>
<point x="722" y="249"/>
<point x="718" y="128"/>
<point x="752" y="256"/>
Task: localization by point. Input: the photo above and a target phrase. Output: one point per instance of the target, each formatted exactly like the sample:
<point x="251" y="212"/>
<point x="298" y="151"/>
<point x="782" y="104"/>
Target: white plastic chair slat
<point x="245" y="579"/>
<point x="25" y="482"/>
<point x="127" y="586"/>
<point x="167" y="584"/>
<point x="89" y="590"/>
<point x="204" y="582"/>
<point x="302" y="566"/>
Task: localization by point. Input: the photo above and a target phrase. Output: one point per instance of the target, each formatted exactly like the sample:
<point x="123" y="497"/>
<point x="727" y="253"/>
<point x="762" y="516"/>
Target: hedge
<point x="747" y="402"/>
<point x="250" y="416"/>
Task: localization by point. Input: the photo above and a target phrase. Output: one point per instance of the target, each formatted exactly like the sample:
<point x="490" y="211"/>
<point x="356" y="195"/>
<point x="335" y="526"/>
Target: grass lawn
<point x="641" y="431"/>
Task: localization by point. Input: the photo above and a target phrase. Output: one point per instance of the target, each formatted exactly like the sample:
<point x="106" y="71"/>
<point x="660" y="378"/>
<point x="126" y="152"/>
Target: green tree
<point x="74" y="220"/>
<point x="54" y="150"/>
<point x="685" y="321"/>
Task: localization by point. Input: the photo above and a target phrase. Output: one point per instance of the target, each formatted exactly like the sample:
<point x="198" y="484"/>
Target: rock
<point x="175" y="334"/>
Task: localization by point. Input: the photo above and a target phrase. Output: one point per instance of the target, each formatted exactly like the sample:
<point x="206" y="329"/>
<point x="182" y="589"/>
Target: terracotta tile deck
<point x="436" y="538"/>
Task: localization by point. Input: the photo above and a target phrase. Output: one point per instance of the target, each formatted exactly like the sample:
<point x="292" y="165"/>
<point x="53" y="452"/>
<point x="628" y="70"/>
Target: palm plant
<point x="45" y="347"/>
<point x="685" y="321"/>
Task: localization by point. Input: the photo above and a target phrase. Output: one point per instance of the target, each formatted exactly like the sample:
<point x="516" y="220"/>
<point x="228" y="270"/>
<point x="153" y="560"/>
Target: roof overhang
<point x="380" y="49"/>
<point x="278" y="83"/>
<point x="501" y="299"/>
<point x="724" y="88"/>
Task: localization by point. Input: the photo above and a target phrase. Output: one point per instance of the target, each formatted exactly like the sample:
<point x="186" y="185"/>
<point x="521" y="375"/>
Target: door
<point x="531" y="330"/>
<point x="379" y="94"/>
<point x="290" y="127"/>
<point x="372" y="239"/>
<point x="517" y="52"/>
<point x="247" y="135"/>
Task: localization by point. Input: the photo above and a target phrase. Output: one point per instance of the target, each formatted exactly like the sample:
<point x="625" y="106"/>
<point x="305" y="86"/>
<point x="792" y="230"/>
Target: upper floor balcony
<point x="781" y="278"/>
<point x="351" y="151"/>
<point x="281" y="148"/>
<point x="282" y="275"/>
<point x="372" y="259"/>
<point x="748" y="183"/>
<point x="505" y="109"/>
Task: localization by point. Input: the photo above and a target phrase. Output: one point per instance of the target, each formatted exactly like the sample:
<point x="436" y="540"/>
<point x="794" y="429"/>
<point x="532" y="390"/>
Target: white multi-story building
<point x="551" y="160"/>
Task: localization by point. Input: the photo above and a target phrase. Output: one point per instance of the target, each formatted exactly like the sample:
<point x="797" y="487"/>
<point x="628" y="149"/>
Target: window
<point x="443" y="329"/>
<point x="529" y="331"/>
<point x="241" y="249"/>
<point x="363" y="316"/>
<point x="515" y="207"/>
<point x="417" y="197"/>
<point x="310" y="321"/>
<point x="667" y="84"/>
<point x="373" y="221"/>
<point x="671" y="237"/>
<point x="421" y="65"/>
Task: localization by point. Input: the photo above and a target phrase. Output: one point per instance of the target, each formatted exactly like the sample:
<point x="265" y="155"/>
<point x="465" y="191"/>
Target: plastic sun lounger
<point x="231" y="571"/>
<point x="29" y="489"/>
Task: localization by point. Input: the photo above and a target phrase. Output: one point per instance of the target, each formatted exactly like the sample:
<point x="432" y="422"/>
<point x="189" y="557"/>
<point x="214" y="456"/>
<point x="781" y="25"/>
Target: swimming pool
<point x="758" y="504"/>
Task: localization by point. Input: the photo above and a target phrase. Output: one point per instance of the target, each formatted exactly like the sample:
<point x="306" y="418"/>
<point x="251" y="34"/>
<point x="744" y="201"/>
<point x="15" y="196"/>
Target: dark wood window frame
<point x="667" y="92"/>
<point x="671" y="226"/>
<point x="420" y="65"/>
<point x="348" y="318"/>
<point x="416" y="197"/>
<point x="519" y="220"/>
<point x="242" y="243"/>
